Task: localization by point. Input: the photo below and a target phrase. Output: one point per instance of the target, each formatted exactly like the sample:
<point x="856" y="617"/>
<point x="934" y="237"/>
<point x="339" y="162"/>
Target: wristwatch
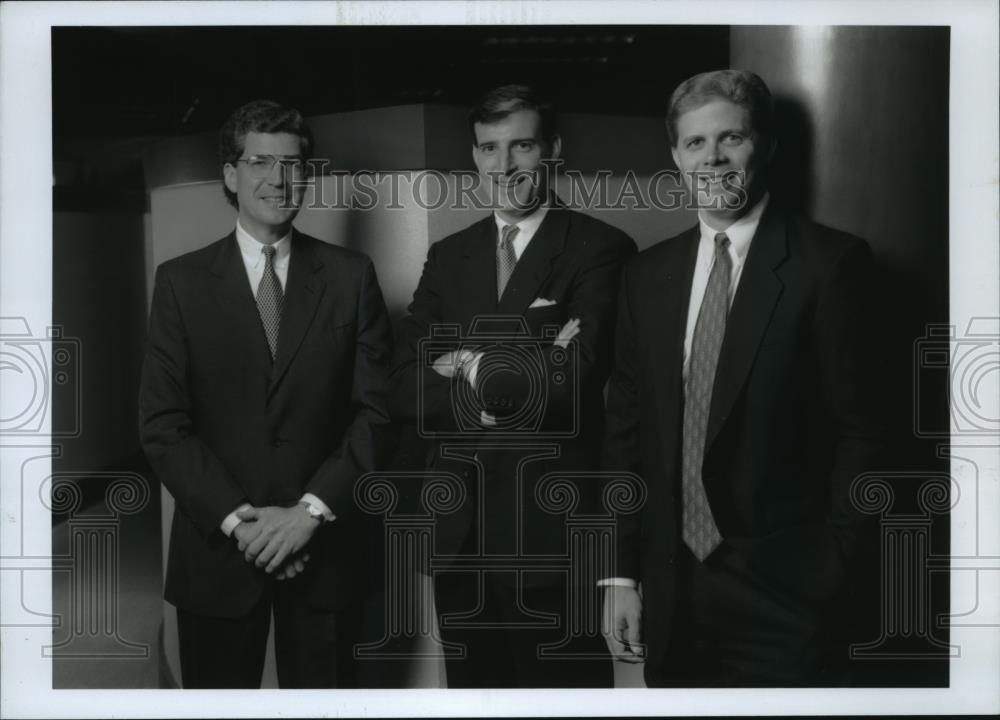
<point x="314" y="512"/>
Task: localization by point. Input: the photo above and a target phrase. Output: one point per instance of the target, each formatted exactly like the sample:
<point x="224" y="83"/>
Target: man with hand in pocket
<point x="744" y="394"/>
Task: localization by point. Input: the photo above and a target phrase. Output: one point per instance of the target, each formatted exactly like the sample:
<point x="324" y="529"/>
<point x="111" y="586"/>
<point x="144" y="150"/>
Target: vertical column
<point x="408" y="549"/>
<point x="591" y="541"/>
<point x="93" y="569"/>
<point x="907" y="629"/>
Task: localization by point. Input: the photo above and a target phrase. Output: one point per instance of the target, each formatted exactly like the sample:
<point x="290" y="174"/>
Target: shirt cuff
<point x="311" y="499"/>
<point x="471" y="369"/>
<point x="231" y="521"/>
<point x="617" y="582"/>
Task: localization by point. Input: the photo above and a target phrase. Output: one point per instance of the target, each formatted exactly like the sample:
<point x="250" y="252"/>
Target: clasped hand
<point x="273" y="538"/>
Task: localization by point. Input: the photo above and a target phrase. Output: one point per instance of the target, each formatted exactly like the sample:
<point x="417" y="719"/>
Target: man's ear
<point x="229" y="177"/>
<point x="475" y="156"/>
<point x="772" y="149"/>
<point x="556" y="147"/>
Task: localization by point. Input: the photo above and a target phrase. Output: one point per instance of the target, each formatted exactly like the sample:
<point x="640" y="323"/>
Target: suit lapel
<point x="670" y="290"/>
<point x="479" y="276"/>
<point x="534" y="265"/>
<point x="235" y="298"/>
<point x="758" y="293"/>
<point x="304" y="289"/>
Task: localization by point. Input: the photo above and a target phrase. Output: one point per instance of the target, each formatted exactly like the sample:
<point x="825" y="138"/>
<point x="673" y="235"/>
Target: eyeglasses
<point x="260" y="166"/>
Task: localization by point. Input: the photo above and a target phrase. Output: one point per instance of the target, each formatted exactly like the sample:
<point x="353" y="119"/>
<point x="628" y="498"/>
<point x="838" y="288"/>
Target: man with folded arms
<point x="531" y="263"/>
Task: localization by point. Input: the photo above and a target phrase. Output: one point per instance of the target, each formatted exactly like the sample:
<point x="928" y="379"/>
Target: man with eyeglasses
<point x="262" y="401"/>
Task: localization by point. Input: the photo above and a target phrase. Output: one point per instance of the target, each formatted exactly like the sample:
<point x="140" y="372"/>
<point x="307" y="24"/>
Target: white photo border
<point x="26" y="291"/>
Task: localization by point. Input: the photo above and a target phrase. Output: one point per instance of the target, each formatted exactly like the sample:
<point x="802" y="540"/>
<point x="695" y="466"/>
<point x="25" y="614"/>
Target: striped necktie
<point x="506" y="257"/>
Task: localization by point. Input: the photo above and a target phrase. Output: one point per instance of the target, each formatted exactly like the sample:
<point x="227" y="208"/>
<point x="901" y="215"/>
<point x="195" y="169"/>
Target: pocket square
<point x="541" y="302"/>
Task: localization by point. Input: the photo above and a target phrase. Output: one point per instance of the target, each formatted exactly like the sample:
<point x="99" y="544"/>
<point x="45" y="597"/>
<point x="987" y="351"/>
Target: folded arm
<point x="591" y="302"/>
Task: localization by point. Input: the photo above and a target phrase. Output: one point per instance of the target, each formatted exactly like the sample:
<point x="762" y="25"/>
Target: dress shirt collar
<point x="741" y="232"/>
<point x="527" y="226"/>
<point x="251" y="249"/>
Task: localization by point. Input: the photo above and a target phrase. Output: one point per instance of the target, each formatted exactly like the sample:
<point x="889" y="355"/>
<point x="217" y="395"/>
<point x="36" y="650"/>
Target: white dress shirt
<point x="252" y="252"/>
<point x="526" y="228"/>
<point x="254" y="261"/>
<point x="740" y="234"/>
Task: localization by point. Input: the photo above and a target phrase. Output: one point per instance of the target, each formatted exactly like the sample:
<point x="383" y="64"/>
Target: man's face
<point x="269" y="201"/>
<point x="721" y="160"/>
<point x="509" y="155"/>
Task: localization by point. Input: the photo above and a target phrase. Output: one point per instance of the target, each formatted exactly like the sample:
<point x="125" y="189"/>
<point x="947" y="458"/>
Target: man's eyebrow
<point x="513" y="141"/>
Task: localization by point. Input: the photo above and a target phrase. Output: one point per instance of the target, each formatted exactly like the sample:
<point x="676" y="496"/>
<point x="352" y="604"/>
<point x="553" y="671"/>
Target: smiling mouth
<point x="730" y="179"/>
<point x="515" y="180"/>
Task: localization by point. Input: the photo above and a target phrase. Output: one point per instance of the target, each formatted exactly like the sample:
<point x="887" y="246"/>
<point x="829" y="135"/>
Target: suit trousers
<point x="733" y="630"/>
<point x="519" y="637"/>
<point x="313" y="646"/>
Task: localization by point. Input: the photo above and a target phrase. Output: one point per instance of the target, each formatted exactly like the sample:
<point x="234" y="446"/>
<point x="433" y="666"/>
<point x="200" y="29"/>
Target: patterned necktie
<point x="270" y="299"/>
<point x="506" y="257"/>
<point x="699" y="530"/>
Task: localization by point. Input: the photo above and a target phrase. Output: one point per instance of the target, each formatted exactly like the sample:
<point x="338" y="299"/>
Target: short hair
<point x="502" y="101"/>
<point x="262" y="116"/>
<point x="740" y="87"/>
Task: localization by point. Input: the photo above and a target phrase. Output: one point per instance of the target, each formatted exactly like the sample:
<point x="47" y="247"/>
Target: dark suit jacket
<point x="222" y="425"/>
<point x="793" y="419"/>
<point x="573" y="260"/>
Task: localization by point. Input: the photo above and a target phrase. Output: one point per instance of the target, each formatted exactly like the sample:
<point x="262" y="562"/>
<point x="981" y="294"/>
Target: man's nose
<point x="714" y="154"/>
<point x="504" y="161"/>
<point x="277" y="175"/>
